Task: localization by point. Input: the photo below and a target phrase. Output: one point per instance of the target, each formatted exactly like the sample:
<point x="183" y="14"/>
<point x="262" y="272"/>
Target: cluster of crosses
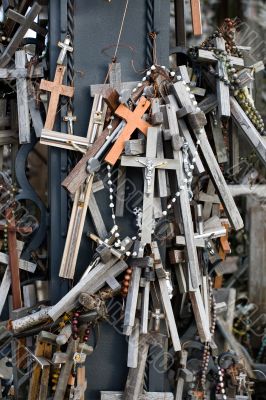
<point x="162" y="127"/>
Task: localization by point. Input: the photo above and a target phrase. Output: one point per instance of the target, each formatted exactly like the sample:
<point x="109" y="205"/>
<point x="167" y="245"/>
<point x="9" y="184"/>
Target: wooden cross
<point x="27" y="23"/>
<point x="6" y="280"/>
<point x="196" y="17"/>
<point x="214" y="170"/>
<point x="150" y="163"/>
<point x="12" y="229"/>
<point x="20" y="73"/>
<point x="79" y="173"/>
<point x="57" y="89"/>
<point x="75" y="230"/>
<point x="115" y="81"/>
<point x="134" y="121"/>
<point x="65" y="47"/>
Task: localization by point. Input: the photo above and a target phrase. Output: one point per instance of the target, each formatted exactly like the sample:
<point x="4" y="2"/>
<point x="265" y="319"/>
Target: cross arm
<point x="209" y="57"/>
<point x="160" y="163"/>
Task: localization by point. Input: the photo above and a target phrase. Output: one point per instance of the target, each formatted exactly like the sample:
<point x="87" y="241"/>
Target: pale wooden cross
<point x="27" y="23"/>
<point x="134" y="121"/>
<point x="65" y="47"/>
<point x="12" y="229"/>
<point x="6" y="280"/>
<point x="115" y="81"/>
<point x="20" y="73"/>
<point x="183" y="98"/>
<point x="57" y="89"/>
<point x="150" y="163"/>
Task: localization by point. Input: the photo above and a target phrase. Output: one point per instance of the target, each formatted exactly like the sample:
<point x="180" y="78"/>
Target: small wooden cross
<point x="134" y="121"/>
<point x="26" y="24"/>
<point x="12" y="229"/>
<point x="57" y="89"/>
<point x="65" y="47"/>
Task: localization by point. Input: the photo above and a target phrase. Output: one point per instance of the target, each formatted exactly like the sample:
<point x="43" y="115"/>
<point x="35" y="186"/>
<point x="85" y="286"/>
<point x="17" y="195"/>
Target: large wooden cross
<point x="183" y="98"/>
<point x="27" y="23"/>
<point x="20" y="73"/>
<point x="150" y="163"/>
<point x="57" y="89"/>
<point x="12" y="230"/>
<point x="134" y="121"/>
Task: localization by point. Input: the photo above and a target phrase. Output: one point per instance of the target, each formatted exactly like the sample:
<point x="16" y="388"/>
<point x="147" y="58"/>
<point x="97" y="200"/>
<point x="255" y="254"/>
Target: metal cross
<point x="149" y="171"/>
<point x="69" y="119"/>
<point x="65" y="47"/>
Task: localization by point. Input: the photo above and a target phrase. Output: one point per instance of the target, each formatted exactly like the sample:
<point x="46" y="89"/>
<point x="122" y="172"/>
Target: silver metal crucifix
<point x="150" y="171"/>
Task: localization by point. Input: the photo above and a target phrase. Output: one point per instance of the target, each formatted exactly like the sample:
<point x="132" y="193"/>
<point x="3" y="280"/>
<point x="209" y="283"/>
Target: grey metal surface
<point x="96" y="28"/>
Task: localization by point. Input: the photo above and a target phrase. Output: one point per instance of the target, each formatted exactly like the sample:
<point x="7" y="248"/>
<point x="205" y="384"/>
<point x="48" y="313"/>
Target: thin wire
<point x="121" y="29"/>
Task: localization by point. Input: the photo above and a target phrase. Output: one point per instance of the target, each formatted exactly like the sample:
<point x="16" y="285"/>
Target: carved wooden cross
<point x="27" y="23"/>
<point x="134" y="121"/>
<point x="57" y="89"/>
<point x="12" y="230"/>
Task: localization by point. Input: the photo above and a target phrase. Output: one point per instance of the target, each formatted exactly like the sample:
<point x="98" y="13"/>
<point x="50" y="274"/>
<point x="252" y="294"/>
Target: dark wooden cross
<point x="27" y="22"/>
<point x="57" y="89"/>
<point x="12" y="230"/>
<point x="134" y="121"/>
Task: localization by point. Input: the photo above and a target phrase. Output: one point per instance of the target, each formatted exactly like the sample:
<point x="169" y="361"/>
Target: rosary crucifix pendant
<point x="149" y="171"/>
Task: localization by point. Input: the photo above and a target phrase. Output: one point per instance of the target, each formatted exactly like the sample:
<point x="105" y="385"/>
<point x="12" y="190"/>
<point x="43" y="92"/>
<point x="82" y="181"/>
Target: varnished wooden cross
<point x="12" y="230"/>
<point x="57" y="89"/>
<point x="134" y="121"/>
<point x="27" y="23"/>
